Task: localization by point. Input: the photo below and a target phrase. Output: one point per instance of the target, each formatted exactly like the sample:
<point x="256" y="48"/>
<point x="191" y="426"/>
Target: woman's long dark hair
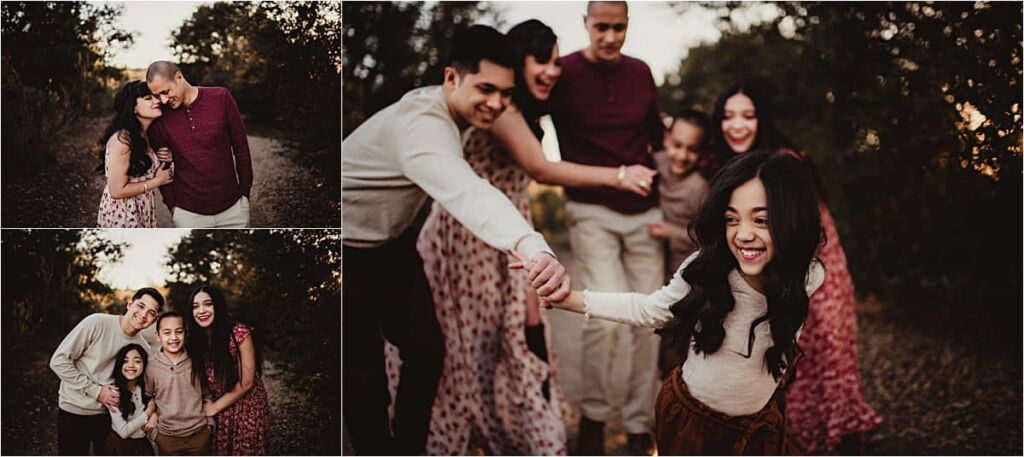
<point x="795" y="227"/>
<point x="128" y="129"/>
<point x="215" y="351"/>
<point x="124" y="402"/>
<point x="530" y="38"/>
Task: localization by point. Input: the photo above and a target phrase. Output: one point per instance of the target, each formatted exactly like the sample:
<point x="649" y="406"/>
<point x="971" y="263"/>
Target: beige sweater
<point x="179" y="402"/>
<point x="681" y="197"/>
<point x="84" y="362"/>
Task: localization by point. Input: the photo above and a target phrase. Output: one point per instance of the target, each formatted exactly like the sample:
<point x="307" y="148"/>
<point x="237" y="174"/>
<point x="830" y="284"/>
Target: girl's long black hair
<point x="128" y="129"/>
<point x="530" y="38"/>
<point x="795" y="227"/>
<point x="125" y="403"/>
<point x="768" y="137"/>
<point x="214" y="351"/>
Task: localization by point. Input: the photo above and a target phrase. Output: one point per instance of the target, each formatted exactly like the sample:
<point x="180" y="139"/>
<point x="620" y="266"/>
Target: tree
<point x="911" y="113"/>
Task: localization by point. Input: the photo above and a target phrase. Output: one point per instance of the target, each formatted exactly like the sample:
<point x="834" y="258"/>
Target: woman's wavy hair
<point x="530" y="38"/>
<point x="795" y="227"/>
<point x="128" y="129"/>
<point x="215" y="351"/>
<point x="124" y="402"/>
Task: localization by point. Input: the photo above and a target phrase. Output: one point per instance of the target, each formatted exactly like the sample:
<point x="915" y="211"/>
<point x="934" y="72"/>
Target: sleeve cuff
<point x="93" y="391"/>
<point x="532" y="245"/>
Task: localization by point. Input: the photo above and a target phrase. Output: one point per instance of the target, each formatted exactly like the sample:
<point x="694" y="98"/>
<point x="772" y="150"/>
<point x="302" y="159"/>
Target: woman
<point x="231" y="375"/>
<point x="131" y="167"/>
<point x="825" y="403"/>
<point x="499" y="383"/>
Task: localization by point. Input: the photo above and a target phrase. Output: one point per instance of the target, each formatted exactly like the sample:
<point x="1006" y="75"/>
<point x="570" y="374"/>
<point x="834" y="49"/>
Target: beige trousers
<point x="614" y="253"/>
<point x="237" y="216"/>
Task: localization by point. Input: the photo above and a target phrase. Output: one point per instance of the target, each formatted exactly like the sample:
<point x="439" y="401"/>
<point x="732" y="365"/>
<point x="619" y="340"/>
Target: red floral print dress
<point x="243" y="428"/>
<point x="132" y="212"/>
<point x="491" y="391"/>
<point x="824" y="403"/>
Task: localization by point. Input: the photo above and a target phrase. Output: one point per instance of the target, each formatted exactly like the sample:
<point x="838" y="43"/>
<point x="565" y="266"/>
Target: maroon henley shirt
<point x="212" y="167"/>
<point x="607" y="115"/>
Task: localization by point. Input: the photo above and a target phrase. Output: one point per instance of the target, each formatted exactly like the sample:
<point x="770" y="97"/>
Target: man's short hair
<point x="590" y="6"/>
<point x="152" y="293"/>
<point x="477" y="43"/>
<point x="162" y="68"/>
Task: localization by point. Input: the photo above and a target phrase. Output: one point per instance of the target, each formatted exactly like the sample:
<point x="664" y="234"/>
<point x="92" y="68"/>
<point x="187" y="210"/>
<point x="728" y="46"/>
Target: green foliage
<point x="50" y="282"/>
<point x="880" y="96"/>
<point x="287" y="283"/>
<point x="55" y="70"/>
<point x="281" y="61"/>
<point x="390" y="48"/>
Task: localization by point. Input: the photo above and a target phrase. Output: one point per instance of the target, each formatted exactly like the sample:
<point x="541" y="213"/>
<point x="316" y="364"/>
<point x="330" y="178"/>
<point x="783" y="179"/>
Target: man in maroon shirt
<point x="212" y="167"/>
<point x="605" y="111"/>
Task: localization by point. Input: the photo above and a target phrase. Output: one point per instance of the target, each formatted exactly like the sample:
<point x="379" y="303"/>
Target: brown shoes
<point x="590" y="440"/>
<point x="639" y="444"/>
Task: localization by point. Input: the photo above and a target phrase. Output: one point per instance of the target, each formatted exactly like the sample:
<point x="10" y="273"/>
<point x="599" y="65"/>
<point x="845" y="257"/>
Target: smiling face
<point x="747" y="232"/>
<point x="202" y="309"/>
<point x="682" y="144"/>
<point x="606" y="23"/>
<point x="148" y="107"/>
<point x="477" y="99"/>
<point x="172" y="334"/>
<point x="739" y="123"/>
<point x="142" y="312"/>
<point x="171" y="92"/>
<point x="541" y="77"/>
<point x="133" y="365"/>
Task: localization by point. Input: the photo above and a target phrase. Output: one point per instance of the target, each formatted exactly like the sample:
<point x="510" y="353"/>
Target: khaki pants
<point x="614" y="253"/>
<point x="197" y="443"/>
<point x="237" y="216"/>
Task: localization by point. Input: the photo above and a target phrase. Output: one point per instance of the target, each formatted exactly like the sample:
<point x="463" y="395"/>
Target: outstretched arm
<point x="511" y="130"/>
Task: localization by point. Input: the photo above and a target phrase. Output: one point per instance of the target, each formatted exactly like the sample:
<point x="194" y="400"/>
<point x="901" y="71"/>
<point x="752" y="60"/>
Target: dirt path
<point x="299" y="425"/>
<point x="284" y="194"/>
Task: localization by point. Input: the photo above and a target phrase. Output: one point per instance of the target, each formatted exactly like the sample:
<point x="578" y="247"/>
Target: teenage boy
<point x="84" y="362"/>
<point x="180" y="422"/>
<point x="393" y="164"/>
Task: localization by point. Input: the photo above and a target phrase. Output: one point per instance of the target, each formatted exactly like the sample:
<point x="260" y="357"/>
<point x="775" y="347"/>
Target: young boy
<point x="684" y="170"/>
<point x="180" y="422"/>
<point x="682" y="167"/>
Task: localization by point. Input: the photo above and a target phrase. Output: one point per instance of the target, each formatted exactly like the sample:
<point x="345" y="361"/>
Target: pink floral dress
<point x="132" y="212"/>
<point x="824" y="403"/>
<point x="243" y="428"/>
<point x="491" y="391"/>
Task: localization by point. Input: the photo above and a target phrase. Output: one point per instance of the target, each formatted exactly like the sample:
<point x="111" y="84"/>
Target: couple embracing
<point x="117" y="392"/>
<point x="186" y="140"/>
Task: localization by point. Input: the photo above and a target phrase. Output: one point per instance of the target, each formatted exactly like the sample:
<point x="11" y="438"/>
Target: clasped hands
<point x="547" y="276"/>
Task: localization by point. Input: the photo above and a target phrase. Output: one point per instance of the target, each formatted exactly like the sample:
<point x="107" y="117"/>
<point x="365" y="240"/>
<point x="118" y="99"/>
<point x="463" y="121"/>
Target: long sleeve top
<point x="84" y="361"/>
<point x="212" y="165"/>
<point x="412" y="151"/>
<point x="734" y="379"/>
<point x="131" y="428"/>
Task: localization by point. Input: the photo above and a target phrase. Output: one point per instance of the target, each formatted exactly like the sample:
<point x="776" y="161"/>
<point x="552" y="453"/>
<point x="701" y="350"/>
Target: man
<point x="393" y="164"/>
<point x="84" y="362"/>
<point x="212" y="167"/>
<point x="605" y="110"/>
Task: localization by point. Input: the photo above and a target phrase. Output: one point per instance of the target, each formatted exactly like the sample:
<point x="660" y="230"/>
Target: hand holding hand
<point x="546" y="275"/>
<point x="163" y="176"/>
<point x="150" y="423"/>
<point x="637" y="179"/>
<point x="658" y="230"/>
<point x="109" y="396"/>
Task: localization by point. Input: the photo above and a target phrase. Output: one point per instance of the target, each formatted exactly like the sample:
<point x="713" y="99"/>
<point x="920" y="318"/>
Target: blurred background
<point x="63" y="61"/>
<point x="287" y="283"/>
<point x="911" y="113"/>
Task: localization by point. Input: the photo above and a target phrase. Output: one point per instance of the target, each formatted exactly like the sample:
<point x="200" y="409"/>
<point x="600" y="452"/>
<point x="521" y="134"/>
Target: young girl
<point x="735" y="306"/>
<point x="824" y="407"/>
<point x="229" y="369"/>
<point x="128" y="421"/>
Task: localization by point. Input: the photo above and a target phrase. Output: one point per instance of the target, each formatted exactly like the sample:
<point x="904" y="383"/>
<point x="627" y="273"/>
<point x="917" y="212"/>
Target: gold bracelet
<point x="145" y="185"/>
<point x="622" y="173"/>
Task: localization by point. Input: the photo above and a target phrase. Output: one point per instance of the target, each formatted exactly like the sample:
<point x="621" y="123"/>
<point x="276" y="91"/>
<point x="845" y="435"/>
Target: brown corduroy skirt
<point x="130" y="446"/>
<point x="685" y="426"/>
